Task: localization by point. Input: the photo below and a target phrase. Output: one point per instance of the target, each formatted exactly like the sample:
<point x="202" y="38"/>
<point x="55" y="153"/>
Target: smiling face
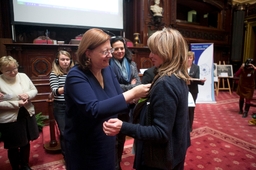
<point x="100" y="56"/>
<point x="10" y="71"/>
<point x="156" y="60"/>
<point x="119" y="50"/>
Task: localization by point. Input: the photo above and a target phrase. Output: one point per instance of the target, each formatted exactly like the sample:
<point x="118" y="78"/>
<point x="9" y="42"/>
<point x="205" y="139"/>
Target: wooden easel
<point x="222" y="79"/>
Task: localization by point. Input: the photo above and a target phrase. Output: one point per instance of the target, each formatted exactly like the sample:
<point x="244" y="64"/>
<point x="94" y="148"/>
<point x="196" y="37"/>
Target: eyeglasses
<point x="10" y="71"/>
<point x="108" y="51"/>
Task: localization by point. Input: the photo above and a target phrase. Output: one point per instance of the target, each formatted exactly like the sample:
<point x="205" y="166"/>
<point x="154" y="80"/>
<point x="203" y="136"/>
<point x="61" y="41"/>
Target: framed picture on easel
<point x="224" y="71"/>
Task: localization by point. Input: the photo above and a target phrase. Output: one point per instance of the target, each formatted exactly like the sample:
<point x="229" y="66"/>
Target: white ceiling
<point x="244" y="1"/>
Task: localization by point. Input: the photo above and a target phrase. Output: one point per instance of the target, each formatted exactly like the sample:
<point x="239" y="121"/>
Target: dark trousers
<point x="59" y="115"/>
<point x="19" y="156"/>
<point x="179" y="166"/>
<point x="191" y="112"/>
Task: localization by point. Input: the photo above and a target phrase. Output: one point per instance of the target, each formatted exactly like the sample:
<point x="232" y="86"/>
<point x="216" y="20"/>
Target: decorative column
<point x="238" y="33"/>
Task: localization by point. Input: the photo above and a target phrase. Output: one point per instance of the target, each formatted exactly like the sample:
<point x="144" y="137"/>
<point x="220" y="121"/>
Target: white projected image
<point x="81" y="13"/>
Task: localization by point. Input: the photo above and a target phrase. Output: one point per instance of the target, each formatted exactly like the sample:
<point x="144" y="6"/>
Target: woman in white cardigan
<point x="17" y="121"/>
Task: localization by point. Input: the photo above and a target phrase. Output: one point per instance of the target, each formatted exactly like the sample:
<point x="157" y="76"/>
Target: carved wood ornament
<point x="155" y="11"/>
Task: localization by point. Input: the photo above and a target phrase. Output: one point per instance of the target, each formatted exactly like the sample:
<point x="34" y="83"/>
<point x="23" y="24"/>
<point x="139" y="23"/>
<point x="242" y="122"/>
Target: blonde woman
<point x="17" y="119"/>
<point x="60" y="67"/>
<point x="194" y="73"/>
<point x="162" y="135"/>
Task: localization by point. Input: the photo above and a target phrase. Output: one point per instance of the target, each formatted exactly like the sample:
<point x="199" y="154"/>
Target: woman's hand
<point x="24" y="96"/>
<point x="133" y="81"/>
<point x="137" y="92"/>
<point x="61" y="90"/>
<point x="242" y="66"/>
<point x="203" y="80"/>
<point x="141" y="90"/>
<point x="22" y="102"/>
<point x="112" y="126"/>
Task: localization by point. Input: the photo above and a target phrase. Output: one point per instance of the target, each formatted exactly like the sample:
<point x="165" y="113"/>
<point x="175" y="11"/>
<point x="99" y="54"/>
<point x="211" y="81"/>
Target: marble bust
<point x="156" y="9"/>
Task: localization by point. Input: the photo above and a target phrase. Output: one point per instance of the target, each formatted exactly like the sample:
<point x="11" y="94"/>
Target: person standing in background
<point x="246" y="86"/>
<point x="128" y="77"/>
<point x="18" y="125"/>
<point x="60" y="67"/>
<point x="194" y="73"/>
<point x="162" y="134"/>
<point x="93" y="95"/>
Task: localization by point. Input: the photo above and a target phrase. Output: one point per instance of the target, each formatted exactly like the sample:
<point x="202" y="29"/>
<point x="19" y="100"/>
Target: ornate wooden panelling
<point x="141" y="57"/>
<point x="252" y="10"/>
<point x="196" y="34"/>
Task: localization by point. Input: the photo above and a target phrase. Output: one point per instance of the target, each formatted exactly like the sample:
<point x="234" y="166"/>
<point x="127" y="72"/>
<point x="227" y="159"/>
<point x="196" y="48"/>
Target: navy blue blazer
<point x="88" y="106"/>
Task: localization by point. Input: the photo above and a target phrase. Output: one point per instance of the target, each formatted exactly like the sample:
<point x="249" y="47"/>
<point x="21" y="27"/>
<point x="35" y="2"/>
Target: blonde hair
<point x="56" y="69"/>
<point x="192" y="54"/>
<point x="91" y="39"/>
<point x="6" y="61"/>
<point x="170" y="45"/>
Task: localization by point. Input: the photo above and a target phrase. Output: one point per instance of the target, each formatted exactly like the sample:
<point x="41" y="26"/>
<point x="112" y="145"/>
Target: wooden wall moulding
<point x="196" y="34"/>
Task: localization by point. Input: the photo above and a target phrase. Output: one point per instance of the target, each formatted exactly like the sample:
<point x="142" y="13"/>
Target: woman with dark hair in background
<point x="128" y="77"/>
<point x="60" y="67"/>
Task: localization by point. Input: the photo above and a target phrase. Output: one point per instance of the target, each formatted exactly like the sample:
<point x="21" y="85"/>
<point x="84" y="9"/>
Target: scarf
<point x="122" y="70"/>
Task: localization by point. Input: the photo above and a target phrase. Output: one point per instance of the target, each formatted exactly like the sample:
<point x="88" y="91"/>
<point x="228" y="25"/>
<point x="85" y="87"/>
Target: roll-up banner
<point x="204" y="59"/>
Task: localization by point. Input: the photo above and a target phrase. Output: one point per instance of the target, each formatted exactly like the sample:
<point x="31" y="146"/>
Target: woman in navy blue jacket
<point x="93" y="95"/>
<point x="162" y="135"/>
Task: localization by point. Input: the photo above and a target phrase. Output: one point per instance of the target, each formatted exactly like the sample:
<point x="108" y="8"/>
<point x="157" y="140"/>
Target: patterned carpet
<point x="221" y="140"/>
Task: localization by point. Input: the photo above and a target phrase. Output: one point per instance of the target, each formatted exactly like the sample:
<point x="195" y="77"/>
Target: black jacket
<point x="194" y="73"/>
<point x="162" y="137"/>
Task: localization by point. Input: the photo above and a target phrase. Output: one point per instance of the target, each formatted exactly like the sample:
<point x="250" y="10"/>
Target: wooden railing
<point x="53" y="145"/>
